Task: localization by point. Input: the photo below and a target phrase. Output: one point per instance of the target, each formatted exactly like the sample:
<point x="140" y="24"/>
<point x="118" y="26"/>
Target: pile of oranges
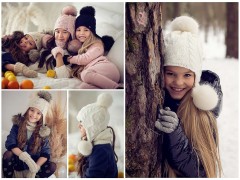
<point x="72" y="159"/>
<point x="9" y="81"/>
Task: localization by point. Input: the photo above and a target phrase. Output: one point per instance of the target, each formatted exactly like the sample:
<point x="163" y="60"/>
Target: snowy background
<point x="228" y="121"/>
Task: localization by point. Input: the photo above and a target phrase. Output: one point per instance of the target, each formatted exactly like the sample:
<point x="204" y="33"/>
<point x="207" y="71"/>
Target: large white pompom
<point x="185" y="24"/>
<point x="85" y="148"/>
<point x="204" y="97"/>
<point x="104" y="100"/>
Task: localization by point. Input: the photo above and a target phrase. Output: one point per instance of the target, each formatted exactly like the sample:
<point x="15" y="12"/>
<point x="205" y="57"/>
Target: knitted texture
<point x="95" y="117"/>
<point x="25" y="157"/>
<point x="184" y="49"/>
<point x="183" y="46"/>
<point x="67" y="20"/>
<point x="41" y="101"/>
<point x="87" y="19"/>
<point x="22" y="68"/>
<point x="37" y="37"/>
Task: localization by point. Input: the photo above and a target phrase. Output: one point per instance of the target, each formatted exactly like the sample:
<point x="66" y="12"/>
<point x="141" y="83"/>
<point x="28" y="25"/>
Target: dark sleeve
<point x="7" y="59"/>
<point x="11" y="141"/>
<point x="211" y="78"/>
<point x="45" y="150"/>
<point x="98" y="162"/>
<point x="181" y="155"/>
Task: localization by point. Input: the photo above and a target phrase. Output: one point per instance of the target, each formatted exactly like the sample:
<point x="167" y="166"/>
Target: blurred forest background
<point x="215" y="17"/>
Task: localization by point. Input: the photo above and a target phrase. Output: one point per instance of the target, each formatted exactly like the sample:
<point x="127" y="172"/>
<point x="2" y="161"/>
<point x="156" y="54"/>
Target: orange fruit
<point x="5" y="82"/>
<point x="12" y="77"/>
<point x="120" y="175"/>
<point x="47" y="87"/>
<point x="7" y="72"/>
<point x="71" y="168"/>
<point x="26" y="84"/>
<point x="13" y="85"/>
<point x="51" y="73"/>
<point x="72" y="157"/>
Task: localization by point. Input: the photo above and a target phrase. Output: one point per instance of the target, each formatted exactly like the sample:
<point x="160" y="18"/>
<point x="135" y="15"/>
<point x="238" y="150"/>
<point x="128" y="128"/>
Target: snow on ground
<point x="228" y="121"/>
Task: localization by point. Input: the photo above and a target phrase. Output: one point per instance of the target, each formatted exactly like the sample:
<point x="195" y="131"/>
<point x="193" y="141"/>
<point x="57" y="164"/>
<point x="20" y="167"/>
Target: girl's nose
<point x="178" y="81"/>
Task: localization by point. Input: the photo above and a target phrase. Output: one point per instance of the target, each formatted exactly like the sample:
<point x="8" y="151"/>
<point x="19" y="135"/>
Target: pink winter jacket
<point x="93" y="55"/>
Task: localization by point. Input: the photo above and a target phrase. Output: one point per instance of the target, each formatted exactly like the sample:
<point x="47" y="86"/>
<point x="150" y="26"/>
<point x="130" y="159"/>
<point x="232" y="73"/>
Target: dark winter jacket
<point x="177" y="148"/>
<point x="101" y="163"/>
<point x="7" y="59"/>
<point x="11" y="143"/>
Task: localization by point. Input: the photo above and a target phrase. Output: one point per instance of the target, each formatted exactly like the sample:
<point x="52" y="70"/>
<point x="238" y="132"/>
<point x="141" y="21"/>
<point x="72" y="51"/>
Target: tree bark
<point x="232" y="30"/>
<point x="143" y="89"/>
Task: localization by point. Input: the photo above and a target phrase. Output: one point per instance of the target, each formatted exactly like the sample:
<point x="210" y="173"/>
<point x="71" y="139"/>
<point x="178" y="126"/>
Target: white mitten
<point x="57" y="50"/>
<point x="25" y="157"/>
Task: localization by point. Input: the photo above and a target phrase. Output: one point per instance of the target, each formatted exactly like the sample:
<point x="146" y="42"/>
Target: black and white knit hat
<point x="184" y="49"/>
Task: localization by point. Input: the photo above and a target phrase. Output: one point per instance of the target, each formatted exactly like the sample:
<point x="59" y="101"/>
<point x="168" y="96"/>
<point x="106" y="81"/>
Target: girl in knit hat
<point x="192" y="103"/>
<point x="55" y="56"/>
<point x="97" y="157"/>
<point x="16" y="52"/>
<point x="90" y="66"/>
<point x="28" y="147"/>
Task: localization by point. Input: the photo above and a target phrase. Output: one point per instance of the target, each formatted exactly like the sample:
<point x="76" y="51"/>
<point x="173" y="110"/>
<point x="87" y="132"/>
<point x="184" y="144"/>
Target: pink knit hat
<point x="67" y="20"/>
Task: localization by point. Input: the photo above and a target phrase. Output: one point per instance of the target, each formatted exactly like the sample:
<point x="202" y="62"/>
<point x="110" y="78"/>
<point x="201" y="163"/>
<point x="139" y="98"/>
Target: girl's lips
<point x="177" y="89"/>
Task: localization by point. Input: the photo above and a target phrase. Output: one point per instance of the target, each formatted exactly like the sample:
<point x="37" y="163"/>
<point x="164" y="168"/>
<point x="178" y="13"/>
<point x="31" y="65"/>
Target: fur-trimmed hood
<point x="16" y="119"/>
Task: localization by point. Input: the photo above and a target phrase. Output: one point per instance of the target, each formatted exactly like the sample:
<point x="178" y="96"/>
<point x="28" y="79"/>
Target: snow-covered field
<point x="228" y="121"/>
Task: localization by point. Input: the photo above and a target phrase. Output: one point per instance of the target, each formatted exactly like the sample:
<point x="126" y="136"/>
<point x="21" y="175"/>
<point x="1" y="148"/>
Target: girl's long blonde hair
<point x="77" y="69"/>
<point x="200" y="128"/>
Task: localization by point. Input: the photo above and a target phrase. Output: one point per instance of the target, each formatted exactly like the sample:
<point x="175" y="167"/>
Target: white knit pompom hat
<point x="184" y="49"/>
<point x="94" y="118"/>
<point x="41" y="101"/>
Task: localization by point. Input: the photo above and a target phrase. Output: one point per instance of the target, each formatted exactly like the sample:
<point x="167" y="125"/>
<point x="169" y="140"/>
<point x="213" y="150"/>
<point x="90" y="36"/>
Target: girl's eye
<point x="188" y="75"/>
<point x="169" y="73"/>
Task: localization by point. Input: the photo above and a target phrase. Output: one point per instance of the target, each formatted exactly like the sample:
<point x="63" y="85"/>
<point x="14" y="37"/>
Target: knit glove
<point x="57" y="50"/>
<point x="25" y="157"/>
<point x="167" y="120"/>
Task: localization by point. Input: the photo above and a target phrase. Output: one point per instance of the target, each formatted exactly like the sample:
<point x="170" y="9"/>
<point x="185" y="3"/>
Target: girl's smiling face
<point x="178" y="81"/>
<point x="27" y="43"/>
<point x="82" y="33"/>
<point x="61" y="36"/>
<point x="34" y="115"/>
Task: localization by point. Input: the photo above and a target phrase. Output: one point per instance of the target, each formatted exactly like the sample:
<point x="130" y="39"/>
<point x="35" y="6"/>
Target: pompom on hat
<point x="67" y="20"/>
<point x="87" y="19"/>
<point x="41" y="101"/>
<point x="94" y="118"/>
<point x="37" y="37"/>
<point x="184" y="49"/>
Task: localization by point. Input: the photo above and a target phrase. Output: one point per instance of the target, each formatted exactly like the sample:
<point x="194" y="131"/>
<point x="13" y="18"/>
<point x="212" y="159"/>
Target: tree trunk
<point x="232" y="30"/>
<point x="143" y="89"/>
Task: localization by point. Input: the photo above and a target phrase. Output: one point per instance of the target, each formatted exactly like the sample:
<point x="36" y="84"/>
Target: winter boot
<point x="22" y="68"/>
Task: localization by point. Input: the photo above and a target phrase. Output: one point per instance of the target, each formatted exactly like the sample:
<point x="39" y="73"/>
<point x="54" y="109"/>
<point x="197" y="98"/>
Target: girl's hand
<point x="73" y="59"/>
<point x="167" y="120"/>
<point x="57" y="50"/>
<point x="68" y="59"/>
